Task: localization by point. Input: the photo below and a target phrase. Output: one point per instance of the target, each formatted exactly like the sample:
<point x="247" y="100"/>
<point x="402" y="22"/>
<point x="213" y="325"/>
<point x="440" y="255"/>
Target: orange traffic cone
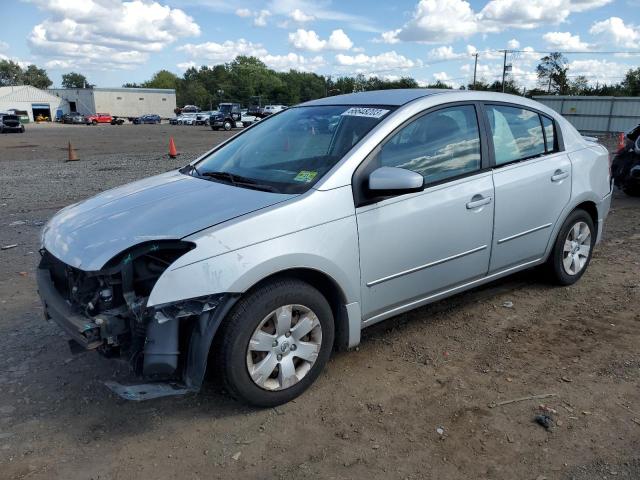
<point x="621" y="141"/>
<point x="72" y="154"/>
<point x="173" y="153"/>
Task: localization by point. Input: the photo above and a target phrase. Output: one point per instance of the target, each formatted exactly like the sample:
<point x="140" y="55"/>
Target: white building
<point x="33" y="101"/>
<point x="121" y="102"/>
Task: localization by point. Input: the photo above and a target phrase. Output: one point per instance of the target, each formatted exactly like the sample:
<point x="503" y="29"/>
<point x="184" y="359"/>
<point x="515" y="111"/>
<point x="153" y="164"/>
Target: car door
<point x="532" y="178"/>
<point x="418" y="244"/>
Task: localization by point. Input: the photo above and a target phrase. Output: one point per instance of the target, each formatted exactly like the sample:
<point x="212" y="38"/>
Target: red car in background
<point x="96" y="118"/>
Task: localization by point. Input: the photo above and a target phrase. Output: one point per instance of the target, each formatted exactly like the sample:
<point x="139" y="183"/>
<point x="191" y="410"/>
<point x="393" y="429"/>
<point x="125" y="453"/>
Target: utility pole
<point x="504" y="69"/>
<point x="475" y="68"/>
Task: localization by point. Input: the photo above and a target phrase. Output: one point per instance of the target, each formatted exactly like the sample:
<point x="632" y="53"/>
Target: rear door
<point x="532" y="178"/>
<point x="418" y="244"/>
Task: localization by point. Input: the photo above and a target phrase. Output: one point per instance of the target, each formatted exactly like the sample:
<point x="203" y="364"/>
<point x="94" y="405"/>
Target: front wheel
<point x="227" y="125"/>
<point x="275" y="342"/>
<point x="573" y="248"/>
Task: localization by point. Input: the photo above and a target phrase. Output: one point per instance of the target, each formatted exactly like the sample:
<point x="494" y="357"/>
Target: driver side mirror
<point x="395" y="181"/>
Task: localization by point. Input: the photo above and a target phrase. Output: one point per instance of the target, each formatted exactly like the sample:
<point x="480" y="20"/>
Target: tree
<point x="579" y="85"/>
<point x="36" y="77"/>
<point x="10" y="73"/>
<point x="631" y="82"/>
<point x="162" y="79"/>
<point x="75" y="80"/>
<point x="552" y="73"/>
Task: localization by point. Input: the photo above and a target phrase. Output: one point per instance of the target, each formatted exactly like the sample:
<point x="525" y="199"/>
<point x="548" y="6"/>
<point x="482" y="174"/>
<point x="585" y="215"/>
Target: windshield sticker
<point x="305" y="176"/>
<point x="365" y="112"/>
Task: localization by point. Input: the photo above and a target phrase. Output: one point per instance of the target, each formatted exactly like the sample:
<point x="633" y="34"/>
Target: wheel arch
<point x="586" y="203"/>
<point x="327" y="286"/>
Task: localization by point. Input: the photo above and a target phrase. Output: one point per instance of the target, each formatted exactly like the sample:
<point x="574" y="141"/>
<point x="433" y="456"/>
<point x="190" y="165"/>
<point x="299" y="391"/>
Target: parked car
<point x="97" y="118"/>
<point x="117" y="121"/>
<point x="186" y="119"/>
<point x="228" y="116"/>
<point x="625" y="166"/>
<point x="10" y="122"/>
<point x="271" y="109"/>
<point x="74" y="118"/>
<point x="290" y="239"/>
<point x="149" y="118"/>
<point x="202" y="118"/>
<point x="246" y="119"/>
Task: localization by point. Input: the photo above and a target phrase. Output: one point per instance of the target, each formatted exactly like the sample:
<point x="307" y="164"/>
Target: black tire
<point x="238" y="327"/>
<point x="94" y="122"/>
<point x="555" y="262"/>
<point x="21" y="128"/>
<point x="227" y="125"/>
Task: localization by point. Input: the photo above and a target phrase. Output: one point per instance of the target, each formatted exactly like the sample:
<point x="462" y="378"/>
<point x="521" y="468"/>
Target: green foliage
<point x="36" y="77"/>
<point x="75" y="80"/>
<point x="12" y="74"/>
<point x="631" y="83"/>
<point x="552" y="73"/>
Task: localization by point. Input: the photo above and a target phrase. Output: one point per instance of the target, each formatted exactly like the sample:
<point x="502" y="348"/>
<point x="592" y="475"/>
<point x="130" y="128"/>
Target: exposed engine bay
<point x="107" y="311"/>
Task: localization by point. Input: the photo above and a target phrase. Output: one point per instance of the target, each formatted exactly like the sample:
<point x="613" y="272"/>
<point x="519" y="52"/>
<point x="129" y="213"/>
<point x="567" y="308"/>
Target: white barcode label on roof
<point x="365" y="112"/>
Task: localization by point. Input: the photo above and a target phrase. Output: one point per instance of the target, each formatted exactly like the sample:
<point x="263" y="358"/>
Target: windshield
<point x="225" y="108"/>
<point x="291" y="151"/>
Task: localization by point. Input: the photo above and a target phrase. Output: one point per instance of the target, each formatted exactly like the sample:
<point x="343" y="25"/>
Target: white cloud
<point x="243" y="12"/>
<point x="106" y="34"/>
<point x="436" y="21"/>
<point x="299" y="16"/>
<point x="615" y="31"/>
<point x="445" y="78"/>
<point x="260" y="19"/>
<point x="4" y="46"/>
<point x="565" y="41"/>
<point x="294" y="61"/>
<point x="321" y="11"/>
<point x="602" y="71"/>
<point x="310" y="41"/>
<point x="513" y="44"/>
<point x="583" y="5"/>
<point x="376" y="63"/>
<point x="498" y="15"/>
<point x="306" y="40"/>
<point x="212" y="52"/>
<point x="445" y="53"/>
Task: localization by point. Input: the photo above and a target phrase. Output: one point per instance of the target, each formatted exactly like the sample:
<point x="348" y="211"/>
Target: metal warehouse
<point x="596" y="114"/>
<point x="122" y="102"/>
<point x="33" y="101"/>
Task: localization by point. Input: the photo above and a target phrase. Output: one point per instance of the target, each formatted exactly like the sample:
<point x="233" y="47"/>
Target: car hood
<point x="172" y="205"/>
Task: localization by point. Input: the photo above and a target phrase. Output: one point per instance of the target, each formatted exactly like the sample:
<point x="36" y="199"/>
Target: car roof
<point x="393" y="97"/>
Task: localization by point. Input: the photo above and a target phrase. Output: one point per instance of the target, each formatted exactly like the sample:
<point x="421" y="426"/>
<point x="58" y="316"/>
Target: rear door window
<point x="517" y="133"/>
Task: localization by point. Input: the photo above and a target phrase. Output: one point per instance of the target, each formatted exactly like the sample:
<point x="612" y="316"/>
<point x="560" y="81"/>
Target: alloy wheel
<point x="577" y="248"/>
<point x="284" y="347"/>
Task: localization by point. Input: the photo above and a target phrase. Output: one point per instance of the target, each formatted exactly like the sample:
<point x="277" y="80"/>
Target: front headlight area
<point x="114" y="300"/>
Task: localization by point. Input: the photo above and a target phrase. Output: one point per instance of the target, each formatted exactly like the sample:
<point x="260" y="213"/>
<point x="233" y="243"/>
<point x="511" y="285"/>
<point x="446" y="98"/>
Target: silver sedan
<point x="285" y="241"/>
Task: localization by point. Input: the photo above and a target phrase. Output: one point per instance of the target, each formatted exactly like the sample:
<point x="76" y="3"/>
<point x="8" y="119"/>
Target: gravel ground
<point x="415" y="400"/>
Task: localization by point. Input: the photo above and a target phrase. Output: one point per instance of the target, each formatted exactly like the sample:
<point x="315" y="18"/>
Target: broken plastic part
<point x="147" y="391"/>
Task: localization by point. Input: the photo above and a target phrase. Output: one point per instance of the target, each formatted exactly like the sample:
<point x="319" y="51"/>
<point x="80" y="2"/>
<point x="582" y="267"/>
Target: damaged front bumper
<point x="166" y="345"/>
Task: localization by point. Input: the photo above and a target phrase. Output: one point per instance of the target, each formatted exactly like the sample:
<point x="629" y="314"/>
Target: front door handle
<point x="478" y="201"/>
<point x="559" y="175"/>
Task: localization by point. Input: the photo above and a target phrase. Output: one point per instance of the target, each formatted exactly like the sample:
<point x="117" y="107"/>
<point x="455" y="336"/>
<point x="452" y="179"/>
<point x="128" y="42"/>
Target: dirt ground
<point x="414" y="401"/>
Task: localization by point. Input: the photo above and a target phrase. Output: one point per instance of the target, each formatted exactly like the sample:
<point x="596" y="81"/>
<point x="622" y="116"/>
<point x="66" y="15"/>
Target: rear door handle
<point x="559" y="175"/>
<point x="478" y="201"/>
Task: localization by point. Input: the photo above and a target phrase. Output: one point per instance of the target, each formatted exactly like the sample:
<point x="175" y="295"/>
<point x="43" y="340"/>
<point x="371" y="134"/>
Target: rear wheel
<point x="275" y="342"/>
<point x="573" y="248"/>
<point x="94" y="122"/>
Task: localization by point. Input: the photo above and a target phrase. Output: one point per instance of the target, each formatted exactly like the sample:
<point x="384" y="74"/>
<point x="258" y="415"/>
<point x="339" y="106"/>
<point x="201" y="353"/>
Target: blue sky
<point x="116" y="41"/>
